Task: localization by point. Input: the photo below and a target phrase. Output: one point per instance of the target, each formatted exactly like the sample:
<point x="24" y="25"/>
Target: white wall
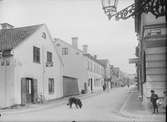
<point x="6" y="82"/>
<point x="74" y="64"/>
<point x="25" y="67"/>
<point x="92" y="74"/>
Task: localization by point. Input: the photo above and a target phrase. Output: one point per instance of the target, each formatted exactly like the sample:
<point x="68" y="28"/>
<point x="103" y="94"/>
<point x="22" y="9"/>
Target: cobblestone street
<point x="103" y="107"/>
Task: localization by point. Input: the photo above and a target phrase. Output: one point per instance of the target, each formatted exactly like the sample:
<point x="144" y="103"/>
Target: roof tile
<point x="10" y="38"/>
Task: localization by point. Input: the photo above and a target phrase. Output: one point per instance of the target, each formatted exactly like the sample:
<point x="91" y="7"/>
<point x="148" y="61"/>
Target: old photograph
<point x="83" y="60"/>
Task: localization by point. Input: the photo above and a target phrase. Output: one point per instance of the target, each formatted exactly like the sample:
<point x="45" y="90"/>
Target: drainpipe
<point x="43" y="71"/>
<point x="6" y="91"/>
<point x="141" y="65"/>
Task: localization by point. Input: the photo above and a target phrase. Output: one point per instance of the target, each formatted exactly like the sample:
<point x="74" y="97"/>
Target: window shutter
<point x="23" y="91"/>
<point x="35" y="90"/>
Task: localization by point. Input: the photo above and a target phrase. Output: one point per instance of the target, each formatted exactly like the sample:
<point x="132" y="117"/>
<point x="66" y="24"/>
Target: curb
<point x="152" y="118"/>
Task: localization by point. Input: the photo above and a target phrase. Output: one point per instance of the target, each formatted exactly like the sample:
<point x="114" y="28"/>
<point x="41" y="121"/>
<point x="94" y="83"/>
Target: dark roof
<point x="10" y="38"/>
<point x="103" y="61"/>
<point x="93" y="58"/>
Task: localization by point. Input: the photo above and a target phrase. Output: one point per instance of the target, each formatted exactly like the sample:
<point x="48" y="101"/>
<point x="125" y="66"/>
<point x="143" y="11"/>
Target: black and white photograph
<point x="83" y="60"/>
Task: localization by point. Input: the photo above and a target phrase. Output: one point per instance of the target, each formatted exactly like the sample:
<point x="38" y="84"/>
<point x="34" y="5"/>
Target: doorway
<point x="91" y="84"/>
<point x="28" y="90"/>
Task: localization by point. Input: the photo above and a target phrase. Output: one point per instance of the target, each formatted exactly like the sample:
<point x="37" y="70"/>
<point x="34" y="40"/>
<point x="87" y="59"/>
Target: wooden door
<point x="34" y="91"/>
<point x="28" y="90"/>
<point x="91" y="84"/>
<point x="23" y="91"/>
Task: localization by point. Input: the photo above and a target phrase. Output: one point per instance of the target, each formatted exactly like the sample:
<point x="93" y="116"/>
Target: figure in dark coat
<point x="154" y="98"/>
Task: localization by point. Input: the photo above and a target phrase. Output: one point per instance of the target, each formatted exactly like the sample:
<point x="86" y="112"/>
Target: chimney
<point x="75" y="42"/>
<point x="95" y="56"/>
<point x="6" y="26"/>
<point x="85" y="49"/>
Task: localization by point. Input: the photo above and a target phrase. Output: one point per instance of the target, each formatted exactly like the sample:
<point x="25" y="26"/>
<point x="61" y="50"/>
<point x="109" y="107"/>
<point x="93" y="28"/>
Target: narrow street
<point x="104" y="107"/>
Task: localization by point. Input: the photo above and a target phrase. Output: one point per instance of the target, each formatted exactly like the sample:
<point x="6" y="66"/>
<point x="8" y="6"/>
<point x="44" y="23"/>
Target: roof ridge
<point x="25" y="27"/>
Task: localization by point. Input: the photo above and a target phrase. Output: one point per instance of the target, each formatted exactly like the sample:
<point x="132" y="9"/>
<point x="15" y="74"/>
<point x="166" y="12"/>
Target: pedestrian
<point x="154" y="98"/>
<point x="165" y="99"/>
<point x="104" y="87"/>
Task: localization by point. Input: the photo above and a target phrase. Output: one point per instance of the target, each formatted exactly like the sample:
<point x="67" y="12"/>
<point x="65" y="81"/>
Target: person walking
<point x="104" y="87"/>
<point x="154" y="98"/>
<point x="165" y="99"/>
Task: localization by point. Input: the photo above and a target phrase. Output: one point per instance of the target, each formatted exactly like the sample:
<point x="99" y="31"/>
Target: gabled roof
<point x="56" y="40"/>
<point x="10" y="38"/>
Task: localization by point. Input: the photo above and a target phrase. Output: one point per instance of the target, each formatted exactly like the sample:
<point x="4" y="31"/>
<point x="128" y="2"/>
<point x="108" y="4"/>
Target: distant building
<point x="29" y="66"/>
<point x="74" y="71"/>
<point x="95" y="72"/>
<point x="107" y="70"/>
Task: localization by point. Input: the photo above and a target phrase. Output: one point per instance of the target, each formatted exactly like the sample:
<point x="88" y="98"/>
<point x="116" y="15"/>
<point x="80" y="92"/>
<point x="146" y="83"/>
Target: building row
<point x="34" y="67"/>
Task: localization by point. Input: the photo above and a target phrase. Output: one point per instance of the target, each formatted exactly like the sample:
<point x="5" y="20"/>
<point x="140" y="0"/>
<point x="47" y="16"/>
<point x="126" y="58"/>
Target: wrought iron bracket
<point x="156" y="7"/>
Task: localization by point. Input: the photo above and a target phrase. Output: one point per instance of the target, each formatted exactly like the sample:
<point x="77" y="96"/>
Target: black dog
<point x="76" y="101"/>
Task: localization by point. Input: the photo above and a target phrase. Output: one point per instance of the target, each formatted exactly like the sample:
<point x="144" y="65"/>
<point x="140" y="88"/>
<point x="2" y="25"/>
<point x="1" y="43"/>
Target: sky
<point x="85" y="19"/>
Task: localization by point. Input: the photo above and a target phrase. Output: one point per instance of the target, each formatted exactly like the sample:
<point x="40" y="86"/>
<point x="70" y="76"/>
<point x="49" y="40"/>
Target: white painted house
<point x="29" y="66"/>
<point x="95" y="71"/>
<point x="74" y="72"/>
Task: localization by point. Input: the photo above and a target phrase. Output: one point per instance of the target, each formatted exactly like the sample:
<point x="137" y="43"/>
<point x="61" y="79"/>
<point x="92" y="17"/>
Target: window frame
<point x="36" y="54"/>
<point x="49" y="56"/>
<point x="64" y="51"/>
<point x="51" y="84"/>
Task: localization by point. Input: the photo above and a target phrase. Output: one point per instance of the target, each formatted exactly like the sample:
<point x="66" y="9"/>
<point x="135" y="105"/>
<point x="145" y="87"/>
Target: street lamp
<point x="109" y="7"/>
<point x="156" y="7"/>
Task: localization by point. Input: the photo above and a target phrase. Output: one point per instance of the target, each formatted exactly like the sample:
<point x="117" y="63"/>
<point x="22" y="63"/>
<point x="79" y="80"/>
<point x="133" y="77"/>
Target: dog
<point x="76" y="101"/>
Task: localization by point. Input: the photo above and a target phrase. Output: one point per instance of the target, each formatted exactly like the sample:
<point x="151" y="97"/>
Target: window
<point x="64" y="51"/>
<point x="36" y="54"/>
<point x="51" y="85"/>
<point x="49" y="56"/>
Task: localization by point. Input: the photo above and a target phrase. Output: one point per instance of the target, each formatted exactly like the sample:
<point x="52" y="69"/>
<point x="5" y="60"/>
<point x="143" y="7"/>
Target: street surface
<point x="103" y="107"/>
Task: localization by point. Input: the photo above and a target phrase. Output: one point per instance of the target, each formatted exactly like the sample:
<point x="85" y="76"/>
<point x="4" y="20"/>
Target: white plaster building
<point x="107" y="71"/>
<point x="29" y="66"/>
<point x="74" y="72"/>
<point x="95" y="71"/>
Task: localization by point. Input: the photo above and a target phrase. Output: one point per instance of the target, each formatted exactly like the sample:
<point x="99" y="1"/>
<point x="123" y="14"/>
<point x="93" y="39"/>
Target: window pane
<point x="49" y="57"/>
<point x="51" y="86"/>
<point x="64" y="51"/>
<point x="36" y="54"/>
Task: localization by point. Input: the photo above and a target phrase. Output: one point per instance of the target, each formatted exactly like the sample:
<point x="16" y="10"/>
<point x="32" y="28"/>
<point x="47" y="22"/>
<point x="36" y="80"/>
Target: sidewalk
<point x="135" y="109"/>
<point x="46" y="105"/>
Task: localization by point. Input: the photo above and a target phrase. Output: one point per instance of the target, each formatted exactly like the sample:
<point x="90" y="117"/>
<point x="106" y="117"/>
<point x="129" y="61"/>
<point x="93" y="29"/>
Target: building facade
<point x="152" y="51"/>
<point x="29" y="66"/>
<point x="107" y="72"/>
<point x="74" y="71"/>
<point x="117" y="77"/>
<point x="95" y="71"/>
